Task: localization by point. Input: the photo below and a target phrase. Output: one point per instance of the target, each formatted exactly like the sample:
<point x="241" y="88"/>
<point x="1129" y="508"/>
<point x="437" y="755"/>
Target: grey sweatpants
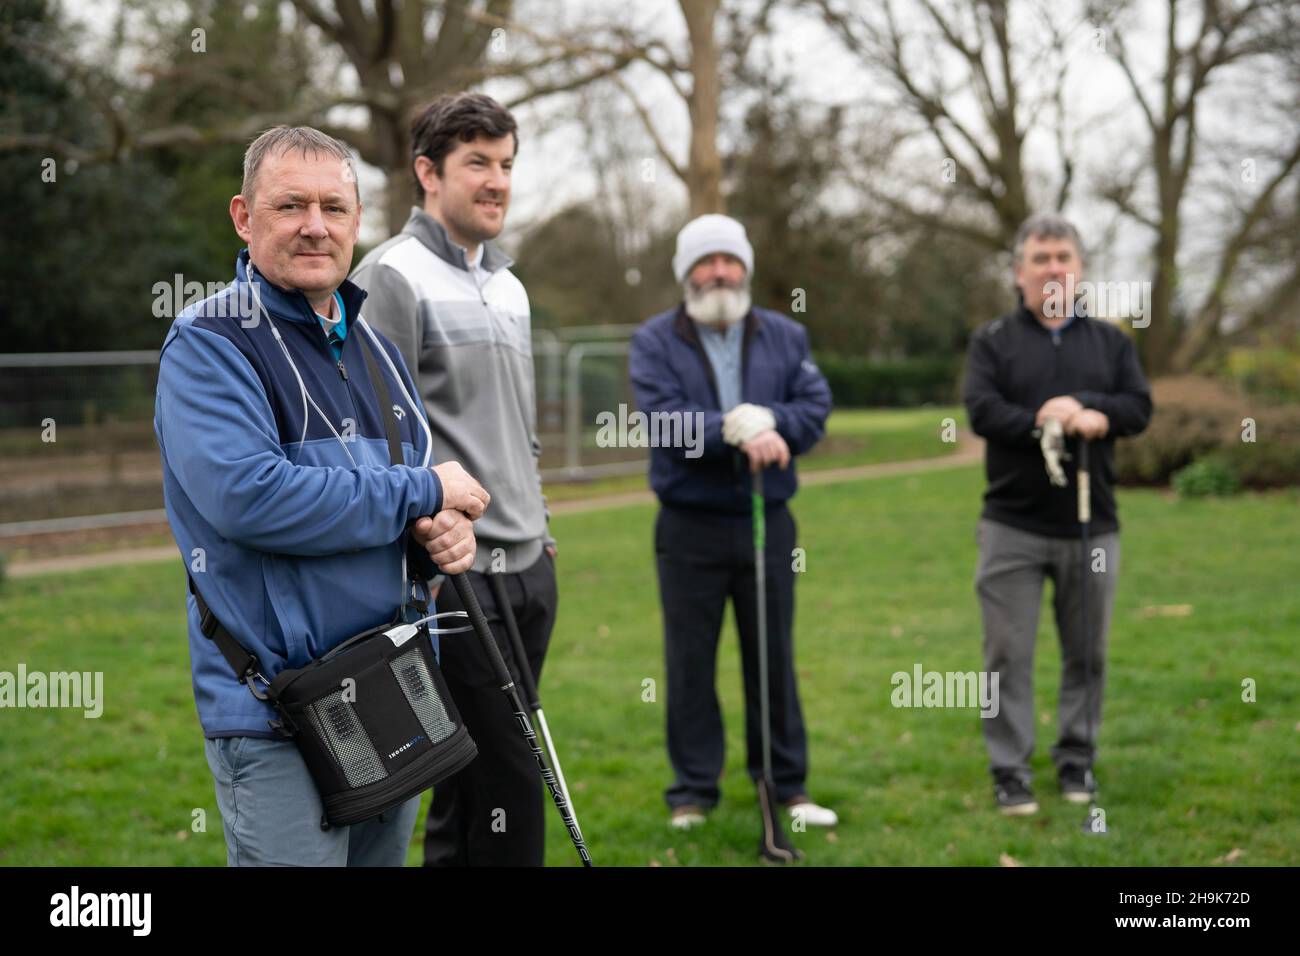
<point x="1009" y="581"/>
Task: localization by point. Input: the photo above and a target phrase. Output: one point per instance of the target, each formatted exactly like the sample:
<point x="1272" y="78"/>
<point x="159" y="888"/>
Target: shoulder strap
<point x="395" y="456"/>
<point x="244" y="664"/>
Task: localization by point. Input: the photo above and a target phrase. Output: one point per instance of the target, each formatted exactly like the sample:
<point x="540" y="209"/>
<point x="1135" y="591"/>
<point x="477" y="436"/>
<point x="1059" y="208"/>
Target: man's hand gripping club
<point x="448" y="536"/>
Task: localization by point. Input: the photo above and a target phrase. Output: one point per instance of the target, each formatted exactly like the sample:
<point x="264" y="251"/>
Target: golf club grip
<point x="1085" y="484"/>
<point x="469" y="600"/>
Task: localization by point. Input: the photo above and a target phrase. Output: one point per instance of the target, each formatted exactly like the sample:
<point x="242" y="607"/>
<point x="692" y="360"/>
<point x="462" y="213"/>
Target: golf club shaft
<point x="773" y="845"/>
<point x="465" y="591"/>
<point x="1085" y="518"/>
<point x="760" y="586"/>
<point x="555" y="759"/>
<point x="498" y="585"/>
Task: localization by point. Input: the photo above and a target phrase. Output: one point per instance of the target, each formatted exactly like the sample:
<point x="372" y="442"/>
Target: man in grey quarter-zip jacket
<point x="443" y="292"/>
<point x="1048" y="360"/>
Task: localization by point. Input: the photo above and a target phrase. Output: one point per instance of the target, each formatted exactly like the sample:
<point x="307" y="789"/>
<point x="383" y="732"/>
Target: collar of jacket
<point x="434" y="235"/>
<point x="292" y="304"/>
<point x="684" y="326"/>
<point x="1079" y="318"/>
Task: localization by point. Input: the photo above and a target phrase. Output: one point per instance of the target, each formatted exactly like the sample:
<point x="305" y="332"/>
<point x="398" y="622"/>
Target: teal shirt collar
<point x="340" y="330"/>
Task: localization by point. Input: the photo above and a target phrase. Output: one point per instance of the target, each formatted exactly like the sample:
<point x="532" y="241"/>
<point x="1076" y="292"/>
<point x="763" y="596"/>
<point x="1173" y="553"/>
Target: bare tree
<point x="928" y="54"/>
<point x="1226" y="33"/>
<point x="403" y="53"/>
<point x="697" y="75"/>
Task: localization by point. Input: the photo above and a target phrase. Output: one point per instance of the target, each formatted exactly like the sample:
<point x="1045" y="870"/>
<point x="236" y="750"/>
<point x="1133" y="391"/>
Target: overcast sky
<point x="553" y="169"/>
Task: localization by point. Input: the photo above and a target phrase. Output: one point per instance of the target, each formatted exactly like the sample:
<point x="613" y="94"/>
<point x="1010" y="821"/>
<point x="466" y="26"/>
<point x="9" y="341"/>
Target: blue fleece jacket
<point x="671" y="373"/>
<point x="295" y="541"/>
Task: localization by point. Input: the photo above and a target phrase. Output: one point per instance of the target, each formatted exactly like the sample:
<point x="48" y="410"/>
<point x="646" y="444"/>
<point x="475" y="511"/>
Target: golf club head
<point x="774" y="846"/>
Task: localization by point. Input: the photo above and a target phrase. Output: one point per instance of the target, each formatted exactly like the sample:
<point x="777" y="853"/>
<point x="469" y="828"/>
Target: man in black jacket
<point x="1045" y="361"/>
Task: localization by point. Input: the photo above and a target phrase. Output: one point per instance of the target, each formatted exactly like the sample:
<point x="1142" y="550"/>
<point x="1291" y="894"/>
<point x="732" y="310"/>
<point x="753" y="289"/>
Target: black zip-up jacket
<point x="1013" y="366"/>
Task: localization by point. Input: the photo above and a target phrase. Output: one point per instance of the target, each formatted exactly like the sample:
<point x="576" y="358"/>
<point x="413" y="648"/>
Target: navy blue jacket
<point x="671" y="373"/>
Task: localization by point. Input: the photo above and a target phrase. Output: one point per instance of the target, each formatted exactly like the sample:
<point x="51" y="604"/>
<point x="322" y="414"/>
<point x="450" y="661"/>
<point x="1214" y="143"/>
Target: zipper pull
<point x="343" y="371"/>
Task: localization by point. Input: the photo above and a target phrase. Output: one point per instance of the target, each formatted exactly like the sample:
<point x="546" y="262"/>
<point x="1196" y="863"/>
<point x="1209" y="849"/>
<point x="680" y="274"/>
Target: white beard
<point x="717" y="307"/>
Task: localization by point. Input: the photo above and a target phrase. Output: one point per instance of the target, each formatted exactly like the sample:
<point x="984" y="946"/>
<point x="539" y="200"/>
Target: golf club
<point x="498" y="585"/>
<point x="465" y="591"/>
<point x="774" y="846"/>
<point x="1085" y="517"/>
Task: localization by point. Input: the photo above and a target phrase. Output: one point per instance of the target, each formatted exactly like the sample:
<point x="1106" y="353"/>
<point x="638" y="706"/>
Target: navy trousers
<point x="703" y="559"/>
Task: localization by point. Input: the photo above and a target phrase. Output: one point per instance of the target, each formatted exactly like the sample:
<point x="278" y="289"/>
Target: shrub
<point x="1268" y="373"/>
<point x="861" y="382"/>
<point x="1208" y="476"/>
<point x="1196" y="416"/>
<point x="1272" y="460"/>
<point x="1193" y="416"/>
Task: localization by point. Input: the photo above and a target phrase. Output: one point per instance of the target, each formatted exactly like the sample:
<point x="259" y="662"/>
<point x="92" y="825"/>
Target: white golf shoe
<point x="686" y="816"/>
<point x="801" y="808"/>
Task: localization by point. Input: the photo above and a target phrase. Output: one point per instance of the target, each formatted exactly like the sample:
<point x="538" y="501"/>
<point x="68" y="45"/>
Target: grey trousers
<point x="1009" y="581"/>
<point x="271" y="811"/>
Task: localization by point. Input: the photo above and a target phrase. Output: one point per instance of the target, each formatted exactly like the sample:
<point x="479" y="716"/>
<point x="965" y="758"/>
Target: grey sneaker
<point x="1014" y="797"/>
<point x="1077" y="784"/>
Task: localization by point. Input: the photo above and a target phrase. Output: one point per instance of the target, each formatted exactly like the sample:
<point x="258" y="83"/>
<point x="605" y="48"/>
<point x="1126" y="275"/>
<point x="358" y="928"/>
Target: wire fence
<point x="77" y="446"/>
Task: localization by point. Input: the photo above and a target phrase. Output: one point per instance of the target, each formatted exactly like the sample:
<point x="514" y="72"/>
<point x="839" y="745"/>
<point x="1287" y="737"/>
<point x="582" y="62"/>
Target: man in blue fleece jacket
<point x="280" y="491"/>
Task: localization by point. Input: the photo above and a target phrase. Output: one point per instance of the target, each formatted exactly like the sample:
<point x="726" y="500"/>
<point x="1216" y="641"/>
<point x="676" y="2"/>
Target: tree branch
<point x="649" y="125"/>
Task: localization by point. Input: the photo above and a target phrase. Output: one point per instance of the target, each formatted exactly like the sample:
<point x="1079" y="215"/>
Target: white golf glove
<point x="745" y="421"/>
<point x="1052" y="442"/>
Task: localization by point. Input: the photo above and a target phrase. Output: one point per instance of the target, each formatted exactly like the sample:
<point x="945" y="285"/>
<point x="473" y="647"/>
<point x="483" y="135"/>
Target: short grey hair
<point x="279" y="140"/>
<point x="1045" y="226"/>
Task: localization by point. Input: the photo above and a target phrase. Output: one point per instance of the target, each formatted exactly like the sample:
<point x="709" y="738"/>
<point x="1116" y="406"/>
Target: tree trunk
<point x="1159" y="339"/>
<point x="392" y="140"/>
<point x="704" y="169"/>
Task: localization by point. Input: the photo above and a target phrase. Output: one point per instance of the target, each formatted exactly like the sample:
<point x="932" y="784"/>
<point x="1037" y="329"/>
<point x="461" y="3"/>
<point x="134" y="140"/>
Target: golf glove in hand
<point x="1052" y="442"/>
<point x="745" y="421"/>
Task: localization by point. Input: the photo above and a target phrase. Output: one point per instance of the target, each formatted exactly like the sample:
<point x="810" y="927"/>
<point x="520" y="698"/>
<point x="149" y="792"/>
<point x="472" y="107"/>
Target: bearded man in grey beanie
<point x="747" y="377"/>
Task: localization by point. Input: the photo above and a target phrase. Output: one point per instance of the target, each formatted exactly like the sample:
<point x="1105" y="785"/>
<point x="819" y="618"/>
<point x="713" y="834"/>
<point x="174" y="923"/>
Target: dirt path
<point x="970" y="451"/>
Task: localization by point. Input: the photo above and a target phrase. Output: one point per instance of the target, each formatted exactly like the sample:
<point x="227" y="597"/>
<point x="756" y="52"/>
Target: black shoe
<point x="1077" y="784"/>
<point x="1014" y="797"/>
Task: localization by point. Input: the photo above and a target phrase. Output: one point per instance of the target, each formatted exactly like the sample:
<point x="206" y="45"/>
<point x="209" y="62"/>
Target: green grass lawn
<point x="1189" y="772"/>
<point x="854" y="436"/>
